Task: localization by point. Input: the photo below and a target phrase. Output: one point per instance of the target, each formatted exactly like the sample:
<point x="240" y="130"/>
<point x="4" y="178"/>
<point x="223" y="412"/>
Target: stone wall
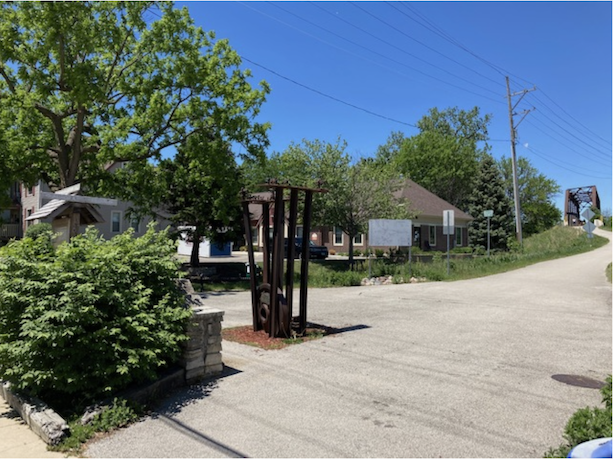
<point x="202" y="354"/>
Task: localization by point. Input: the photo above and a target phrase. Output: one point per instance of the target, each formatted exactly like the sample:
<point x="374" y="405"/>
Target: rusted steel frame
<point x="252" y="267"/>
<point x="288" y="186"/>
<point x="277" y="263"/>
<point x="266" y="243"/>
<point x="291" y="247"/>
<point x="304" y="266"/>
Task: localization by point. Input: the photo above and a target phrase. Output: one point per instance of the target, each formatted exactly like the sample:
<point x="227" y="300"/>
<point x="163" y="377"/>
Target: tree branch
<point x="7" y="79"/>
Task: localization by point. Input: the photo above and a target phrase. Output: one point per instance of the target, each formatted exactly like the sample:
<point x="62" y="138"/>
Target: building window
<point x="299" y="231"/>
<point x="338" y="236"/>
<point x="254" y="236"/>
<point x="432" y="238"/>
<point x="28" y="213"/>
<point x="358" y="240"/>
<point x="116" y="221"/>
<point x="458" y="237"/>
<point x="134" y="223"/>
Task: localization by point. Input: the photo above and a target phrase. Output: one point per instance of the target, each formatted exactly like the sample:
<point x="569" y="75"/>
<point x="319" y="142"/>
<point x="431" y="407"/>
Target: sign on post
<point x="589" y="227"/>
<point x="448" y="222"/>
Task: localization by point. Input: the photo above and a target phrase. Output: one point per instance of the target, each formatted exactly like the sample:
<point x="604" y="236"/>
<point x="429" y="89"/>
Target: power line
<point x="327" y="95"/>
<point x="604" y="141"/>
<point x="397" y="48"/>
<point x="556" y="139"/>
<point x="561" y="166"/>
<point x="365" y="58"/>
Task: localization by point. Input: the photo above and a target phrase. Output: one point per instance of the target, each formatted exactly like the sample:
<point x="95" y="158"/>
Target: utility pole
<point x="518" y="232"/>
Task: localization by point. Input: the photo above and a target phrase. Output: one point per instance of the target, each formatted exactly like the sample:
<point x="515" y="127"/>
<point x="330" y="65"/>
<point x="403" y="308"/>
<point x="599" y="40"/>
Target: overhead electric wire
<point x="448" y="38"/>
<point x="370" y="112"/>
<point x="574" y="171"/>
<point x="393" y="46"/>
<point x="362" y="57"/>
<point x="441" y="33"/>
<point x="583" y="142"/>
<point x="556" y="139"/>
<point x="607" y="142"/>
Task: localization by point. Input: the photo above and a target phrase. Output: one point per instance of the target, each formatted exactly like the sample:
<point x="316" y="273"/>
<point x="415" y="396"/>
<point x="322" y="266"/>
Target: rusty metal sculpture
<point x="271" y="309"/>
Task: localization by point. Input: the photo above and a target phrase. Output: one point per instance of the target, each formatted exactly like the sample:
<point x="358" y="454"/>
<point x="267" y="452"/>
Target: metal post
<point x="266" y="243"/>
<point x="252" y="266"/>
<point x="291" y="233"/>
<point x="304" y="266"/>
<point x="277" y="262"/>
<point x="448" y="250"/>
<point x="488" y="236"/>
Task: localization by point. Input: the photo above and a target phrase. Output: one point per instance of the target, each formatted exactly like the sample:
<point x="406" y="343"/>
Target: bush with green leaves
<point x="91" y="317"/>
<point x="587" y="424"/>
<point x="39" y="229"/>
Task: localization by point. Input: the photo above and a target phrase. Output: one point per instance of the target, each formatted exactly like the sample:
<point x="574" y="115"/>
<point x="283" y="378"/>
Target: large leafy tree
<point x="536" y="195"/>
<point x="86" y="84"/>
<point x="444" y="156"/>
<point x="201" y="187"/>
<point x="489" y="194"/>
<point x="356" y="193"/>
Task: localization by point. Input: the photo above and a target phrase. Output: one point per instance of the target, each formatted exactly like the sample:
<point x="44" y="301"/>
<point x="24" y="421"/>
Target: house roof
<point x="57" y="207"/>
<point x="426" y="203"/>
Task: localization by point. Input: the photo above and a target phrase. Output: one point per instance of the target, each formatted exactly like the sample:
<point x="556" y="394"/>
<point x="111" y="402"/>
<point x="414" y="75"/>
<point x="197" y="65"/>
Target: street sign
<point x="589" y="227"/>
<point x="488" y="213"/>
<point x="588" y="214"/>
<point x="448" y="222"/>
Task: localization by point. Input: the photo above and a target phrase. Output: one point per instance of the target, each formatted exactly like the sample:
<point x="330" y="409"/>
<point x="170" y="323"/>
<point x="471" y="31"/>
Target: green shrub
<point x="91" y="317"/>
<point x="38" y="229"/>
<point x="357" y="252"/>
<point x="586" y="424"/>
<point x="379" y="253"/>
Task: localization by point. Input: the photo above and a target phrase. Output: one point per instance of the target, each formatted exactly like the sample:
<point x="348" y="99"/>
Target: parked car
<point x="315" y="251"/>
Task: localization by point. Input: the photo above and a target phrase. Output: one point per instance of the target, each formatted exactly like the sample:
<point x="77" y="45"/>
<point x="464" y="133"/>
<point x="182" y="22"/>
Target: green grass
<point x="609" y="272"/>
<point x="555" y="243"/>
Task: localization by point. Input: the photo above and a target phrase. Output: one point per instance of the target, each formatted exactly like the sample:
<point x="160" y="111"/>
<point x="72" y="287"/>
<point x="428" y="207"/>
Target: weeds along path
<point x="451" y="369"/>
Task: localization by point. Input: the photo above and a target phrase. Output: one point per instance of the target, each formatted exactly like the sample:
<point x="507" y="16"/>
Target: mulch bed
<point x="246" y="335"/>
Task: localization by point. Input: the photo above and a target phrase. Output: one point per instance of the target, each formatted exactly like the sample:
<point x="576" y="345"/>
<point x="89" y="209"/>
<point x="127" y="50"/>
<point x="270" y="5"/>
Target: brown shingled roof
<point x="426" y="203"/>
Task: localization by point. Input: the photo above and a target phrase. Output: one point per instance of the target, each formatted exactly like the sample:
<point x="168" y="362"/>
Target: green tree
<point x="356" y="192"/>
<point x="489" y="194"/>
<point x="365" y="192"/>
<point x="201" y="189"/>
<point x="536" y="194"/>
<point x="85" y="84"/>
<point x="444" y="157"/>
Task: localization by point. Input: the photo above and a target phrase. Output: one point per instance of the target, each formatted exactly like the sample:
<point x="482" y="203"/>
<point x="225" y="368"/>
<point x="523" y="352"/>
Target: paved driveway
<point x="458" y="369"/>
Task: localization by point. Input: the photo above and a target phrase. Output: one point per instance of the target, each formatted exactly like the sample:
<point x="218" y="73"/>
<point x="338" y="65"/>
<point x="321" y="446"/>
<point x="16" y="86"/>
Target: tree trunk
<point x="195" y="257"/>
<point x="351" y="250"/>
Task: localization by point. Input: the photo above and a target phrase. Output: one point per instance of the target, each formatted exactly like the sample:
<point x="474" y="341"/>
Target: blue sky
<point x="397" y="60"/>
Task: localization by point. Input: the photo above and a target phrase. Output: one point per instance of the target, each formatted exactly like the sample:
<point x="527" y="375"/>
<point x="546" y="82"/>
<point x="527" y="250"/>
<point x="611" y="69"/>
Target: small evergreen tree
<point x="489" y="194"/>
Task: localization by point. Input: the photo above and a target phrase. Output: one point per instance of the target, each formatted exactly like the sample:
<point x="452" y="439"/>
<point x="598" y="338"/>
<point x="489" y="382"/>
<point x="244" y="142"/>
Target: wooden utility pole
<point x="518" y="232"/>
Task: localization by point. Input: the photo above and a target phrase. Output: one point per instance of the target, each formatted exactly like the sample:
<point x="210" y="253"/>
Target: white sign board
<point x="390" y="233"/>
<point x="448" y="222"/>
<point x="488" y="213"/>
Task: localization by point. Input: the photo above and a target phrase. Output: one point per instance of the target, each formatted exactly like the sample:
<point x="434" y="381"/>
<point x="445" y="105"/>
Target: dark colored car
<point x="315" y="251"/>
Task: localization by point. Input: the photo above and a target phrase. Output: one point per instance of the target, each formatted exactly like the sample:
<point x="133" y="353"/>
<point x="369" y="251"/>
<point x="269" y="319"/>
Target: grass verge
<point x="555" y="243"/>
